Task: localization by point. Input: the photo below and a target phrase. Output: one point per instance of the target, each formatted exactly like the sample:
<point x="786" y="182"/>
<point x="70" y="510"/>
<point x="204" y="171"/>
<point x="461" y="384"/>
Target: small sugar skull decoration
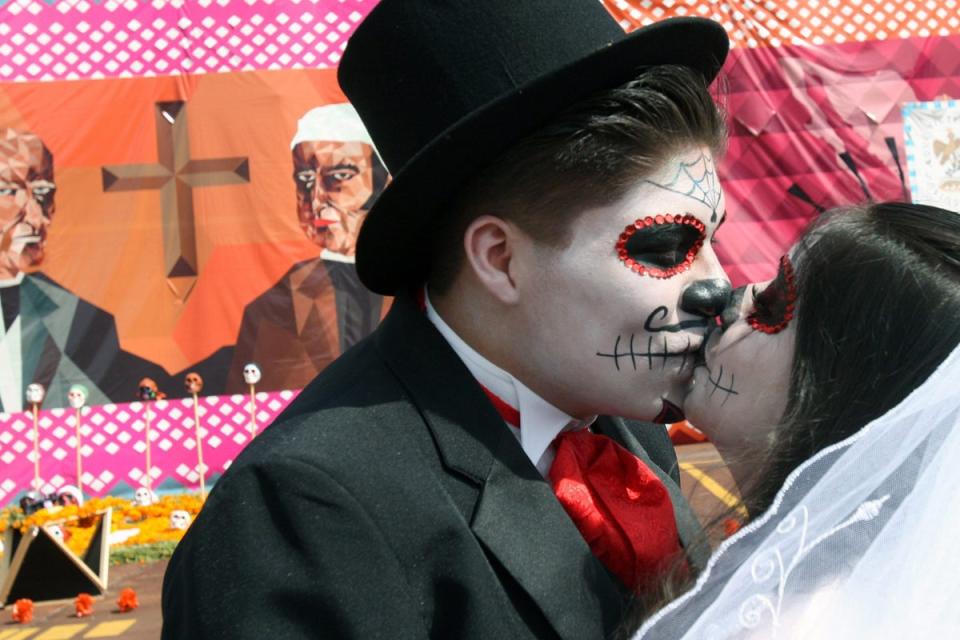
<point x="56" y="531"/>
<point x="77" y="396"/>
<point x="144" y="497"/>
<point x="35" y="393"/>
<point x="251" y="373"/>
<point x="147" y="390"/>
<point x="69" y="495"/>
<point x="193" y="383"/>
<point x="179" y="519"/>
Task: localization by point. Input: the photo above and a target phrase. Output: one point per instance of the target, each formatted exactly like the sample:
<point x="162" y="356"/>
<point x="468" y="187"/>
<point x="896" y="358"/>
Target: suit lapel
<point x="517" y="518"/>
<point x="688" y="526"/>
<point x="39" y="352"/>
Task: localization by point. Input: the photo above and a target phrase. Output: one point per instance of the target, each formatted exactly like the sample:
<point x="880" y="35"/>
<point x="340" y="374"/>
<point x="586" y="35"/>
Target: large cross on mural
<point x="175" y="175"/>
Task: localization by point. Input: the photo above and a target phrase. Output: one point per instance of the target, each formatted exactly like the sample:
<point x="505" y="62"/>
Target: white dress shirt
<point x="540" y="421"/>
<point x="11" y="373"/>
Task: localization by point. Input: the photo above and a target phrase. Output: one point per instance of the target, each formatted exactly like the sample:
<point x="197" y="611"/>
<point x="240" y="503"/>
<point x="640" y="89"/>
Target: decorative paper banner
<point x="113" y="447"/>
<point x="817" y="127"/>
<point x="778" y="22"/>
<point x="932" y="134"/>
<point x="70" y="39"/>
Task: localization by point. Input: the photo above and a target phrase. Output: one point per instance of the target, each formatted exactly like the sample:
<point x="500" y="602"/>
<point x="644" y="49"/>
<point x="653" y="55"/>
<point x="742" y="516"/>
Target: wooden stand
<point x="40" y="567"/>
<point x="200" y="468"/>
<point x="253" y="412"/>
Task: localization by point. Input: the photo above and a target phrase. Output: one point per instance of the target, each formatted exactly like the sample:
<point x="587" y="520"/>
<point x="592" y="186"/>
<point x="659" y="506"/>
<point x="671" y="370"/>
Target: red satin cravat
<point x="619" y="505"/>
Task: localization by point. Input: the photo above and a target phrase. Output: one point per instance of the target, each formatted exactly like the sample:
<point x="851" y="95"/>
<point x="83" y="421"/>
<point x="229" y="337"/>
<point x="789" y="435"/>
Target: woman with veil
<point x="833" y="392"/>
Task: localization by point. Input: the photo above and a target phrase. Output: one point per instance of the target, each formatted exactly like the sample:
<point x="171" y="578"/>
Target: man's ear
<point x="490" y="247"/>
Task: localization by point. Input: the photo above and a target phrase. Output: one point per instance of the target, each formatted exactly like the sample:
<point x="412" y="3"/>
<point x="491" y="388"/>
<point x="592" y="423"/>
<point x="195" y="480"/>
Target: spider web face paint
<point x="773" y="307"/>
<point x="698" y="180"/>
<point x="661" y="246"/>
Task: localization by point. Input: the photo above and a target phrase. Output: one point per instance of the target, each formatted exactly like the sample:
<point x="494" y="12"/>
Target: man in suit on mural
<point x="548" y="235"/>
<point x="319" y="308"/>
<point x="49" y="335"/>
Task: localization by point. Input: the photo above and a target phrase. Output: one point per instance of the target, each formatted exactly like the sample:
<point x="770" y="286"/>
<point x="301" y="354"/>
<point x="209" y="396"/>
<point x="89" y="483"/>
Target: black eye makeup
<point x="661" y="246"/>
<point x="773" y="306"/>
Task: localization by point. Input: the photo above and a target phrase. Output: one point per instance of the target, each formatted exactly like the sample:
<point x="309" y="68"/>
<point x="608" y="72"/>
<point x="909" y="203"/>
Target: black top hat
<point x="445" y="86"/>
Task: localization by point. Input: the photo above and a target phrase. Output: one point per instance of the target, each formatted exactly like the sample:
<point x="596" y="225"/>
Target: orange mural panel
<point x="184" y="223"/>
<point x="107" y="248"/>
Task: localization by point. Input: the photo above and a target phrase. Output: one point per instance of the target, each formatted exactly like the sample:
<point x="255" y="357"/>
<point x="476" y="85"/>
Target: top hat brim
<point x="393" y="248"/>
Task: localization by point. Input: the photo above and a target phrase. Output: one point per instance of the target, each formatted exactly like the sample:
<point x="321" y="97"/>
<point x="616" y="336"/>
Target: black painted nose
<point x="732" y="313"/>
<point x="707" y="298"/>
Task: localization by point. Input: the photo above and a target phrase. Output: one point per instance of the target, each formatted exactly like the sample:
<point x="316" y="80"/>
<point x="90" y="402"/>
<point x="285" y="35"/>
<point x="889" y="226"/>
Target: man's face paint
<point x="740" y="391"/>
<point x="661" y="246"/>
<point x="26" y="201"/>
<point x="617" y="340"/>
<point x="334" y="183"/>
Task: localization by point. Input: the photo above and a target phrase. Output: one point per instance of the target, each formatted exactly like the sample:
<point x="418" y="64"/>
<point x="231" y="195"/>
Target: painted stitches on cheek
<point x="773" y="307"/>
<point x="719" y="384"/>
<point x="661" y="246"/>
<point x="650" y="355"/>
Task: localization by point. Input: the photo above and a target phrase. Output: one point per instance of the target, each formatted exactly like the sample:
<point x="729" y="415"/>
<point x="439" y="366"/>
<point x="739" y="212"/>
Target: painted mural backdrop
<point x="181" y="184"/>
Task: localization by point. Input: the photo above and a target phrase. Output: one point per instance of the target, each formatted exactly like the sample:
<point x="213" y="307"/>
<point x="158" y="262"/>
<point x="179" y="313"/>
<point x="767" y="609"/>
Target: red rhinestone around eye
<point x="788" y="276"/>
<point x="654" y="272"/>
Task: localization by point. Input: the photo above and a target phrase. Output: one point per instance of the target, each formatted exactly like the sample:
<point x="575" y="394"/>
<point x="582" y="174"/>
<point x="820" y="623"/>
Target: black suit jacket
<point x="390" y="501"/>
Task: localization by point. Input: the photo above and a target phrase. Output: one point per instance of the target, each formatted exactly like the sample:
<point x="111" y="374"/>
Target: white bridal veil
<point x="863" y="540"/>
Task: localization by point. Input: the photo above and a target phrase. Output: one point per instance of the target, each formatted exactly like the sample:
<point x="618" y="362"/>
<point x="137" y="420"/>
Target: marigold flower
<point x="84" y="605"/>
<point x="128" y="600"/>
<point x="730" y="527"/>
<point x="23" y="610"/>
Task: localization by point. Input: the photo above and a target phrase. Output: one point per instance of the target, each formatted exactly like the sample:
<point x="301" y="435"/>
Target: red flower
<point x="730" y="527"/>
<point x="128" y="600"/>
<point x="23" y="610"/>
<point x="84" y="605"/>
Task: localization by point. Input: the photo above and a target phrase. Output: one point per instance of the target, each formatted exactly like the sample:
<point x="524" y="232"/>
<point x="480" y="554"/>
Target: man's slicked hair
<point x="588" y="156"/>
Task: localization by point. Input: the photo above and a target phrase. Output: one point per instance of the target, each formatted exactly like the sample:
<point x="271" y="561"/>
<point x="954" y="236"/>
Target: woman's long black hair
<point x="878" y="309"/>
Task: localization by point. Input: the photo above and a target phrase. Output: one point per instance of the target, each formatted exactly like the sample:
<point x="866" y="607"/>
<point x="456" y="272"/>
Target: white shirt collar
<point x="333" y="256"/>
<point x="15" y="280"/>
<point x="540" y="421"/>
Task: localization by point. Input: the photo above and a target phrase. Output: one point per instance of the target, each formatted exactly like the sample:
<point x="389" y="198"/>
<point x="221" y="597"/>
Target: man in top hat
<point x="458" y="474"/>
<point x="319" y="308"/>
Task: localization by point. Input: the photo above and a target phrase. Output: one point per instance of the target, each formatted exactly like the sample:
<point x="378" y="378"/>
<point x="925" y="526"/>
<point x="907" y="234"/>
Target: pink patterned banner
<point x="113" y="443"/>
<point x="81" y="39"/>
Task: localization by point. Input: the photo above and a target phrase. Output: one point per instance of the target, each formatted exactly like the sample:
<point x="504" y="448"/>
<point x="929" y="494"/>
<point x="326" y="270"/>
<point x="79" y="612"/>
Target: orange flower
<point x="84" y="605"/>
<point x="23" y="610"/>
<point x="128" y="600"/>
<point x="730" y="527"/>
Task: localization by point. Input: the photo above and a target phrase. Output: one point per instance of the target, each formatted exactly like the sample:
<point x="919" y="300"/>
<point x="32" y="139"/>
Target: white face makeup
<point x="610" y="329"/>
<point x="740" y="393"/>
<point x="251" y="373"/>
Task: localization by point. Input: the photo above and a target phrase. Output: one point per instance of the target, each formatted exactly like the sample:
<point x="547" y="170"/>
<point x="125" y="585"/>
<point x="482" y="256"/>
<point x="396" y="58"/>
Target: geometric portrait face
<point x="334" y="182"/>
<point x="26" y="200"/>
